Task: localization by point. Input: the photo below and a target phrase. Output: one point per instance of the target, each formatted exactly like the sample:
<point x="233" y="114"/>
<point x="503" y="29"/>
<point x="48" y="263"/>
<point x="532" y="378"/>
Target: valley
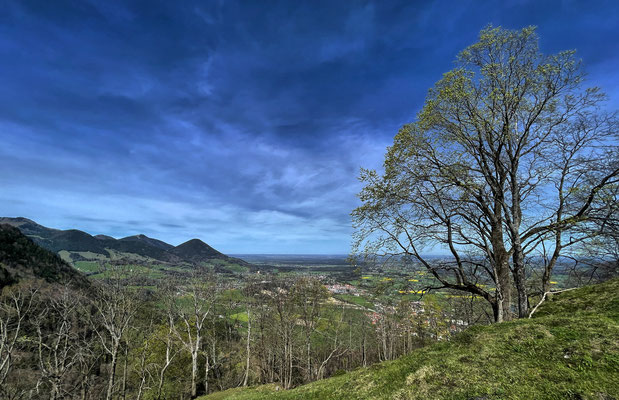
<point x="288" y="319"/>
<point x="209" y="200"/>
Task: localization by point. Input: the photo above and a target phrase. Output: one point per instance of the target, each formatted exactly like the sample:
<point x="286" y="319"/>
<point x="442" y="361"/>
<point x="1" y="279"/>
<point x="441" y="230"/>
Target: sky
<point x="243" y="124"/>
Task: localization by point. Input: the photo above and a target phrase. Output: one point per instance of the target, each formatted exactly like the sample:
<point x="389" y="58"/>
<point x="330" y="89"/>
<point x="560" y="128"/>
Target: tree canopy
<point x="511" y="159"/>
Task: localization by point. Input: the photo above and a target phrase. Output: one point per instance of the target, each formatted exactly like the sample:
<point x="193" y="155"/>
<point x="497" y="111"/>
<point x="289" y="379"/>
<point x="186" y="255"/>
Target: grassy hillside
<point x="568" y="350"/>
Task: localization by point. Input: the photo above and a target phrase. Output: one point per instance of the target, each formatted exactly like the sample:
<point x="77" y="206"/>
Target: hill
<point x="76" y="245"/>
<point x="72" y="239"/>
<point x="21" y="258"/>
<point x="142" y="246"/>
<point x="568" y="350"/>
<point x="197" y="251"/>
<point x="144" y="239"/>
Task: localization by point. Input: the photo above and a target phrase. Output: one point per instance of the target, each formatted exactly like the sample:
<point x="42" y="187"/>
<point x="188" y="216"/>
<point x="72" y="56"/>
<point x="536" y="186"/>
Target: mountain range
<point x="74" y="245"/>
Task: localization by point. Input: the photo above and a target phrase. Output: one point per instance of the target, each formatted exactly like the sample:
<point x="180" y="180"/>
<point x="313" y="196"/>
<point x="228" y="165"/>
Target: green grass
<point x="358" y="300"/>
<point x="569" y="350"/>
<point x="87" y="266"/>
<point x="237" y="268"/>
<point x="141" y="270"/>
<point x="241" y="316"/>
<point x="232" y="295"/>
<point x="265" y="390"/>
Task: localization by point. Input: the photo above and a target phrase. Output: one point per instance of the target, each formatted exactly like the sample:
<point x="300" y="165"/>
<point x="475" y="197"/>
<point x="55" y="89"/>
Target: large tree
<point x="510" y="158"/>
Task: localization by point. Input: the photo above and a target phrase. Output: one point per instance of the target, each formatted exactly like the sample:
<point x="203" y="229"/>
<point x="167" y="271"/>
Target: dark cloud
<point x="243" y="123"/>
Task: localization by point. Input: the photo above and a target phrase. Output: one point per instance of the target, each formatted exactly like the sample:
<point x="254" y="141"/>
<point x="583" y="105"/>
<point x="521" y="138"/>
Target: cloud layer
<point x="242" y="123"/>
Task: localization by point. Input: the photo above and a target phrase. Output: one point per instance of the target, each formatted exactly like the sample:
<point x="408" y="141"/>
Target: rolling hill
<point x="568" y="350"/>
<point x="76" y="245"/>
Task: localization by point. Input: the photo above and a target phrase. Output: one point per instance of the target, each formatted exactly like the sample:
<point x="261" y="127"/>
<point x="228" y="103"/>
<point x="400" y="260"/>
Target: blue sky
<point x="240" y="123"/>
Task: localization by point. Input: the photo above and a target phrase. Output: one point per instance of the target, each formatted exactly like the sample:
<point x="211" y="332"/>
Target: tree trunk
<point x="84" y="385"/>
<point x="308" y="359"/>
<point x="111" y="378"/>
<point x="55" y="393"/>
<point x="247" y="358"/>
<point x="124" y="389"/>
<point x="518" y="252"/>
<point x="384" y="338"/>
<point x="520" y="280"/>
<point x="162" y="374"/>
<point x="207" y="366"/>
<point x="497" y="310"/>
<point x="502" y="272"/>
<point x="194" y="372"/>
<point x="141" y="388"/>
<point x="289" y="384"/>
<point x="364" y="355"/>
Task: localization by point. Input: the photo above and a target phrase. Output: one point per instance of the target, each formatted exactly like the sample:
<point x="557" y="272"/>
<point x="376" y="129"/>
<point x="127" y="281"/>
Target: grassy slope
<point x="569" y="350"/>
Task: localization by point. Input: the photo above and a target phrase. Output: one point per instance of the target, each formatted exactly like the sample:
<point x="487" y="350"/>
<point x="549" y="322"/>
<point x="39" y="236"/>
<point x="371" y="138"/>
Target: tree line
<point x="119" y="340"/>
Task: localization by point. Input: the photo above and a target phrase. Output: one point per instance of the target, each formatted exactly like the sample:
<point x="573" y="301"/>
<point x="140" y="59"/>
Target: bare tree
<point x="195" y="305"/>
<point x="57" y="340"/>
<point x="15" y="306"/>
<point x="143" y="371"/>
<point x="309" y="295"/>
<point x="166" y="338"/>
<point x="285" y="320"/>
<point x="247" y="348"/>
<point x="115" y="306"/>
<point x="337" y="349"/>
<point x="87" y="359"/>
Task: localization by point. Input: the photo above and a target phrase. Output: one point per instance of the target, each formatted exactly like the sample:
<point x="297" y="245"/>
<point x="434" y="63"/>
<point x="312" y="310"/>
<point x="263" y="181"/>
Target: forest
<point x="183" y="339"/>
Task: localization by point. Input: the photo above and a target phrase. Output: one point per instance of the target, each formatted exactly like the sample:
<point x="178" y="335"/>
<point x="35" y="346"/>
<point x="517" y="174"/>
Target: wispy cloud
<point x="236" y="122"/>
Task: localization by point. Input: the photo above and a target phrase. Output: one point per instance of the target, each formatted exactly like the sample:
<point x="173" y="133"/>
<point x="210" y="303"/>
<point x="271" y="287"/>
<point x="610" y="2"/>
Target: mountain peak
<point x="194" y="241"/>
<point x="196" y="250"/>
<point x="17" y="220"/>
<point x="141" y="238"/>
<point x="20" y="222"/>
<point x="196" y="244"/>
